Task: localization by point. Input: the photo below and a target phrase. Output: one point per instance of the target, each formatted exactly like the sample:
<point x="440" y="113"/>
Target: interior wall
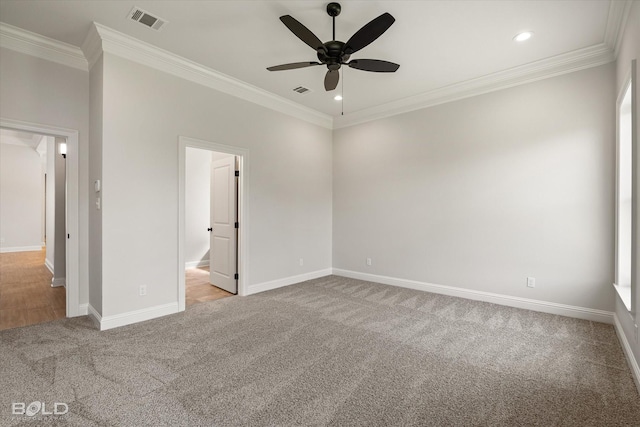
<point x="50" y="216"/>
<point x="629" y="50"/>
<point x="39" y="91"/>
<point x="484" y="192"/>
<point x="21" y="198"/>
<point x="60" y="230"/>
<point x="289" y="183"/>
<point x="197" y="206"/>
<point x="95" y="197"/>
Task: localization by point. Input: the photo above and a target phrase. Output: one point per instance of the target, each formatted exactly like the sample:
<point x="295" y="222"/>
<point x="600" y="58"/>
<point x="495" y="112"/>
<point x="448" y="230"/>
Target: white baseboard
<point x="21" y="249"/>
<point x="117" y="320"/>
<point x="48" y="264"/>
<point x="56" y="282"/>
<point x="525" y="303"/>
<point x="633" y="363"/>
<point x="279" y="283"/>
<point x="94" y="315"/>
<point x="196" y="264"/>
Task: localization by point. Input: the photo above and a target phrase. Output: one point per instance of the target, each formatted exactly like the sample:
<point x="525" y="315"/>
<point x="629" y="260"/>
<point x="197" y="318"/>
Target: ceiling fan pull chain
<point x="342" y="100"/>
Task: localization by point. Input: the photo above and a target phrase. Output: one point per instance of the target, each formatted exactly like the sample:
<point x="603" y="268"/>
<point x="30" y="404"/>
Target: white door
<point x="224" y="236"/>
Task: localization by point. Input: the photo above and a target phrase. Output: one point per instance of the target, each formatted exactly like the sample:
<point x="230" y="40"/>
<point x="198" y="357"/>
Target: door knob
<point x="209" y="229"/>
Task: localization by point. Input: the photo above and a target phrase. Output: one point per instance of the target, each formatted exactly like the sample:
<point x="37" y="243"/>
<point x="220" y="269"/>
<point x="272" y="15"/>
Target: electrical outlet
<point x="368" y="261"/>
<point x="301" y="261"/>
<point x="531" y="282"/>
<point x="143" y="290"/>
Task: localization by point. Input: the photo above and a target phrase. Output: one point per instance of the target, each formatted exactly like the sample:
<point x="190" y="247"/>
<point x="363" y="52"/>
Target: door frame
<point x="72" y="213"/>
<point x="243" y="209"/>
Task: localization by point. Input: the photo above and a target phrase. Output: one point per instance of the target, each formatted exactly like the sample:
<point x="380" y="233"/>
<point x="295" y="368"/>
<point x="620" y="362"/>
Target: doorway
<point x="70" y="205"/>
<point x="212" y="214"/>
<point x="32" y="228"/>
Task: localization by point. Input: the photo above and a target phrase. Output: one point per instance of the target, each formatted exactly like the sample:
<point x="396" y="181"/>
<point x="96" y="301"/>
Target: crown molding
<point x="33" y="44"/>
<point x="616" y="23"/>
<point x="561" y="64"/>
<point x="577" y="60"/>
<point x="103" y="39"/>
<point x="92" y="46"/>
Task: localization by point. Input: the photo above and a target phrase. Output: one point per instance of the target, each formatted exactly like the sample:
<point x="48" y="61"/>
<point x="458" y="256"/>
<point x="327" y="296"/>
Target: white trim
<point x="21" y="249"/>
<point x="56" y="282"/>
<point x="550" y="67"/>
<point x="616" y="23"/>
<point x="243" y="210"/>
<point x="48" y="264"/>
<point x="628" y="352"/>
<point x="83" y="309"/>
<point x="72" y="208"/>
<point x="104" y="39"/>
<point x="287" y="281"/>
<point x="524" y="303"/>
<point x="42" y="47"/>
<point x="196" y="264"/>
<point x="129" y="318"/>
<point x="94" y="315"/>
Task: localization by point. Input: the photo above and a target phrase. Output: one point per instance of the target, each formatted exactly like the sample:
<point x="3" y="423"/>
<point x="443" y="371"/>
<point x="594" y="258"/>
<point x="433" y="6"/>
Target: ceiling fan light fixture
<point x="523" y="36"/>
<point x="338" y="97"/>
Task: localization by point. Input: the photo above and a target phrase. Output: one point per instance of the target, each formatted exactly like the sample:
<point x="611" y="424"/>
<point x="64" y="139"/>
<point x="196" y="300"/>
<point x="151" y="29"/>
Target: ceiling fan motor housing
<point x="332" y="54"/>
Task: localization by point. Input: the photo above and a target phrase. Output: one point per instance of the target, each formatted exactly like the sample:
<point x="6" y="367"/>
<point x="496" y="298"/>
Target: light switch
<point x="96" y="185"/>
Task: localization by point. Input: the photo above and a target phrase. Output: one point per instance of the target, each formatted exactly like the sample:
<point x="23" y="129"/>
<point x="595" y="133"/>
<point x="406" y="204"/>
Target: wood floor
<point x="198" y="289"/>
<point x="27" y="298"/>
<point x="26" y="295"/>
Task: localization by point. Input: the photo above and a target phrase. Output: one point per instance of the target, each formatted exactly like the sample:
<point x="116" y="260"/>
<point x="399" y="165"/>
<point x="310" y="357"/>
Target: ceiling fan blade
<point x="331" y="80"/>
<point x="367" y="34"/>
<point x="375" y="65"/>
<point x="302" y="32"/>
<point x="292" y="66"/>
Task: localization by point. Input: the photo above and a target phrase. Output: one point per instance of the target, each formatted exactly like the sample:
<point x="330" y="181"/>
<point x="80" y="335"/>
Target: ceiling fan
<point x="334" y="53"/>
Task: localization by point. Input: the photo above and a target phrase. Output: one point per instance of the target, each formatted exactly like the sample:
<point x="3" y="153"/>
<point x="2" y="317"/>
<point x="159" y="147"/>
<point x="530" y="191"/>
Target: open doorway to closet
<point x="210" y="221"/>
<point x="32" y="228"/>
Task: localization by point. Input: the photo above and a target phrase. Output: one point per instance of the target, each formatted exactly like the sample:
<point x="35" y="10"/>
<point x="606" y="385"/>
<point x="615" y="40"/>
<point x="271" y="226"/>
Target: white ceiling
<point x="436" y="43"/>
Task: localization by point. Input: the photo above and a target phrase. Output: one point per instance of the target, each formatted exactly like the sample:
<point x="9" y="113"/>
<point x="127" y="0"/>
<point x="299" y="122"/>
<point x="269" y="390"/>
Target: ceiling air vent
<point x="146" y="18"/>
<point x="301" y="90"/>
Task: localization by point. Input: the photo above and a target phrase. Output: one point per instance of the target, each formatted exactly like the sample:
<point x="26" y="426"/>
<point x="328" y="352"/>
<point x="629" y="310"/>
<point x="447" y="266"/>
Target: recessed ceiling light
<point x="526" y="35"/>
<point x="338" y="97"/>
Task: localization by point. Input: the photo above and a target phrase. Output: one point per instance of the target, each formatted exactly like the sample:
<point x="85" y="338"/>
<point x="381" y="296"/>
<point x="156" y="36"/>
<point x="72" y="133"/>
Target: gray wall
<point x="39" y="91"/>
<point x="197" y="206"/>
<point x="482" y="193"/>
<point x="51" y="202"/>
<point x="21" y="197"/>
<point x="629" y="50"/>
<point x="144" y="113"/>
<point x="95" y="173"/>
<point x="60" y="257"/>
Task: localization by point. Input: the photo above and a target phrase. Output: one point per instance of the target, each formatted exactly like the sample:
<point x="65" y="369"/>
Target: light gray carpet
<point x="331" y="351"/>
